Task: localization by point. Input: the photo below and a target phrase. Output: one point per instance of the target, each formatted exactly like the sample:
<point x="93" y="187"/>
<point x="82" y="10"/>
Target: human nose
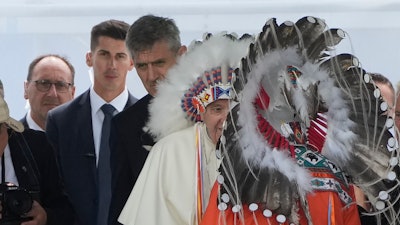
<point x="52" y="90"/>
<point x="152" y="73"/>
<point x="224" y="116"/>
<point x="113" y="62"/>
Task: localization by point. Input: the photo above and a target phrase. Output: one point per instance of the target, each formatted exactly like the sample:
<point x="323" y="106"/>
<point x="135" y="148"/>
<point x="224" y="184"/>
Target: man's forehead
<point x="111" y="45"/>
<point x="160" y="49"/>
<point x="149" y="56"/>
<point x="52" y="62"/>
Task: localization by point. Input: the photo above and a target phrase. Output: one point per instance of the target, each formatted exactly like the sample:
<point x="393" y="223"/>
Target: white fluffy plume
<point x="166" y="114"/>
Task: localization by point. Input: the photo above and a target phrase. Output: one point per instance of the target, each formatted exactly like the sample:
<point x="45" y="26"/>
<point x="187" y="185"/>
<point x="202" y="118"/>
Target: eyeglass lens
<point x="45" y="85"/>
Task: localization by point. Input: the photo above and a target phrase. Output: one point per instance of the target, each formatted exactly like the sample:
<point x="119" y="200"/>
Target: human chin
<point x="152" y="90"/>
<point x="49" y="107"/>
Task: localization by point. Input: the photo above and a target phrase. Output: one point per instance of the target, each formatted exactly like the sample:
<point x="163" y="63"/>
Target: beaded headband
<point x="211" y="86"/>
<point x="204" y="74"/>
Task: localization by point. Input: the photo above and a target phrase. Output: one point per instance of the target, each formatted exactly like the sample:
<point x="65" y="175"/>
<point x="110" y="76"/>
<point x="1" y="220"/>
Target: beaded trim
<point x="213" y="85"/>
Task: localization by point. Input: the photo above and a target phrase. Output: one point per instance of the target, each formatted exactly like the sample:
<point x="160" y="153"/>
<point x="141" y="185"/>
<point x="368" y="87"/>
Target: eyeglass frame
<point x="58" y="84"/>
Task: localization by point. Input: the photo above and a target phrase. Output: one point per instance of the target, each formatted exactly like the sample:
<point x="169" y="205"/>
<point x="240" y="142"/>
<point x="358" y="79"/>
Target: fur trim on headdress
<point x="166" y="112"/>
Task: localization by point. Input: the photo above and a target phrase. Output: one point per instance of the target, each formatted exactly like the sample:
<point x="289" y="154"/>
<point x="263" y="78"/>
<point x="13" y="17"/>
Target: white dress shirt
<point x="31" y="123"/>
<point x="98" y="116"/>
<point x="10" y="175"/>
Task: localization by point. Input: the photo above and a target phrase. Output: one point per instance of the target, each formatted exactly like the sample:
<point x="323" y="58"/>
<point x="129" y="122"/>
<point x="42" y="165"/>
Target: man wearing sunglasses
<point x="50" y="83"/>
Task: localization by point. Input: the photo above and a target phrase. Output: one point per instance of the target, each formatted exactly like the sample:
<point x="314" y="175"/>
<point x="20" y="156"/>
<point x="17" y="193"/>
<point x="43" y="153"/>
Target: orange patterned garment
<point x="318" y="202"/>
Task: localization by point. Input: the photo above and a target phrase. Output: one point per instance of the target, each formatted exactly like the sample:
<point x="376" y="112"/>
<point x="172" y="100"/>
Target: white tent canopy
<point x="30" y="28"/>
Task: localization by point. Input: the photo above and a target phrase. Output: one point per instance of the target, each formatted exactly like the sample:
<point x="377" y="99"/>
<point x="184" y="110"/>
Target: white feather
<point x="255" y="150"/>
<point x="166" y="114"/>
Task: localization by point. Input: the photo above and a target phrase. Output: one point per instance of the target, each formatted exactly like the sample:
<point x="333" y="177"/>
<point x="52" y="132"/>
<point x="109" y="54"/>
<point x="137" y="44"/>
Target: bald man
<point x="50" y="83"/>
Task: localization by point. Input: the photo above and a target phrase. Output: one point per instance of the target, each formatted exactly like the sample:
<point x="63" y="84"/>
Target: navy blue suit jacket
<point x="127" y="153"/>
<point x="69" y="130"/>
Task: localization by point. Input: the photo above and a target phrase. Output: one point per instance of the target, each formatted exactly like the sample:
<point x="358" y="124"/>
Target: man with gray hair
<point x="155" y="46"/>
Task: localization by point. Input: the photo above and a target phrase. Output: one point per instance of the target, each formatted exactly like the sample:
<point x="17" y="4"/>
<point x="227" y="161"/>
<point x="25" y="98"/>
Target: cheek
<point x="162" y="73"/>
<point x="123" y="65"/>
<point x="98" y="65"/>
<point x="167" y="67"/>
<point x="30" y="89"/>
<point x="123" y="74"/>
<point x="215" y="123"/>
<point x="36" y="102"/>
<point x="143" y="76"/>
<point x="65" y="97"/>
<point x="35" y="95"/>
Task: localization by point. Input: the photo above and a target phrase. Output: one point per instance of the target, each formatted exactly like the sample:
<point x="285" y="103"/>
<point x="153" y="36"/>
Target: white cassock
<point x="165" y="192"/>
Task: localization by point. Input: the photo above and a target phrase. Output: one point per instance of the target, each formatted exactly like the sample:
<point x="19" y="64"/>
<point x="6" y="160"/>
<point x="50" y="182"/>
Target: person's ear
<point x="89" y="59"/>
<point x="132" y="65"/>
<point x="25" y="89"/>
<point x="182" y="50"/>
<point x="73" y="91"/>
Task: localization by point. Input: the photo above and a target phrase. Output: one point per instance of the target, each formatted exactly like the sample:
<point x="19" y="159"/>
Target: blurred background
<point x="29" y="28"/>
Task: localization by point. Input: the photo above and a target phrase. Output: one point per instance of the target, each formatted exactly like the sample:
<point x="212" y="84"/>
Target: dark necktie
<point x="103" y="167"/>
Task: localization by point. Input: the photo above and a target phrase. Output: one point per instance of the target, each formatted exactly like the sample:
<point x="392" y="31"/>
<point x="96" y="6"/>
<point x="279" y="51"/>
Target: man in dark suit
<point x="50" y="83"/>
<point x="154" y="45"/>
<point x="28" y="161"/>
<point x="75" y="128"/>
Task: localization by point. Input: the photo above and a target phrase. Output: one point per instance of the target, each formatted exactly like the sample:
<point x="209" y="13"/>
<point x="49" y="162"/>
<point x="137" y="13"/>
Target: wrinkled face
<point x="214" y="118"/>
<point x="53" y="70"/>
<point x="152" y="64"/>
<point x="111" y="63"/>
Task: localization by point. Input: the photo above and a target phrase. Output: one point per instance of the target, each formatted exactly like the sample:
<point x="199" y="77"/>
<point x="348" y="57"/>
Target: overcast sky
<point x="33" y="27"/>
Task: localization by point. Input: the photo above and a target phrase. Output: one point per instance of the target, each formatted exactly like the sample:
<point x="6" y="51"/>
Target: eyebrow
<point x="160" y="60"/>
<point x="103" y="50"/>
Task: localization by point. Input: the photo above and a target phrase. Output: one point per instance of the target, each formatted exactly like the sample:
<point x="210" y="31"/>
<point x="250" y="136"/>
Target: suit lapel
<point x="131" y="100"/>
<point x="24" y="170"/>
<point x="84" y="140"/>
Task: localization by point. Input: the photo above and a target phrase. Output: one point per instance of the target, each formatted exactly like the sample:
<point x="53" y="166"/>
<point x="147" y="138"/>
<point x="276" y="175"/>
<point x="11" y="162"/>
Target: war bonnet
<point x="204" y="74"/>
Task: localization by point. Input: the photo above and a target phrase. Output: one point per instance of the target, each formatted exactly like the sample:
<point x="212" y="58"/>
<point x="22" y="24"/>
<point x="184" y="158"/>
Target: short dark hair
<point x="33" y="64"/>
<point x="379" y="78"/>
<point x="115" y="29"/>
<point x="148" y="30"/>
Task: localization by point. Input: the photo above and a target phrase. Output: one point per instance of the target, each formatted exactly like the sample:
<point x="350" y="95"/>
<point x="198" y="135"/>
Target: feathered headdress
<point x="294" y="90"/>
<point x="201" y="76"/>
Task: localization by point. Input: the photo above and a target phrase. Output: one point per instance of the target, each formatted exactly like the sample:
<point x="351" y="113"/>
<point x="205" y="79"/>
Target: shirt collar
<point x="31" y="123"/>
<point x="118" y="102"/>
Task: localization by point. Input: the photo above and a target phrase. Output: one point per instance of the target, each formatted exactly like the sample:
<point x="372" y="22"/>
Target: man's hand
<point x="38" y="214"/>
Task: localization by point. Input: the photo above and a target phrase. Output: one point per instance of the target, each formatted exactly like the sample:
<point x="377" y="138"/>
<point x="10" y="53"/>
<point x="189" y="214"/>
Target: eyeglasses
<point x="45" y="85"/>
